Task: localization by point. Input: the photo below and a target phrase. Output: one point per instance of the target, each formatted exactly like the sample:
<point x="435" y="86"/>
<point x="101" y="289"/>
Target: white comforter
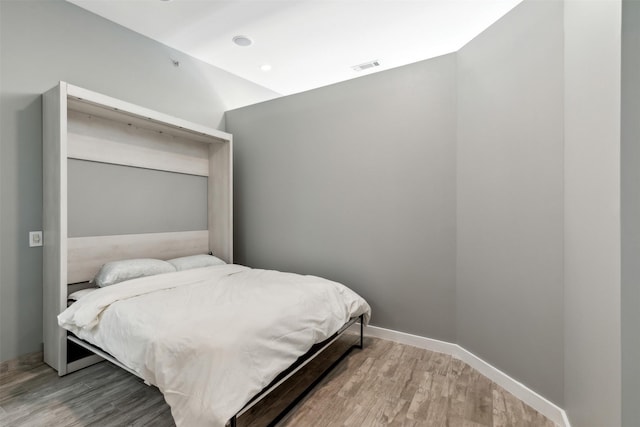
<point x="211" y="338"/>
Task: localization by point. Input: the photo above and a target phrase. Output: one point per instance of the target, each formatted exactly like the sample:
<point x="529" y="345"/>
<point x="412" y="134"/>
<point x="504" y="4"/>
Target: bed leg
<point x="361" y="345"/>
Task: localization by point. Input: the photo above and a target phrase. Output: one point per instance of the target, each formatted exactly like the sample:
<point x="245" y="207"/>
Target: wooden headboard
<point x="85" y="255"/>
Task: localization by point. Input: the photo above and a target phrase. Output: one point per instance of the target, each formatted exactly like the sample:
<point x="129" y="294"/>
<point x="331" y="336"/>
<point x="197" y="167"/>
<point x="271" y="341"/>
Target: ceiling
<point x="306" y="43"/>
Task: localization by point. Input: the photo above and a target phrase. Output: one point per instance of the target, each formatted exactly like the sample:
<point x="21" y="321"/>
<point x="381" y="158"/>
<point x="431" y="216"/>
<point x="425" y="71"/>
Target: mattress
<point x="211" y="338"/>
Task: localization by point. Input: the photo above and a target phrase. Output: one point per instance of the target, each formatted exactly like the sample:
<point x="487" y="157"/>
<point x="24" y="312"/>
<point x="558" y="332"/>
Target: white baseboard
<point x="522" y="392"/>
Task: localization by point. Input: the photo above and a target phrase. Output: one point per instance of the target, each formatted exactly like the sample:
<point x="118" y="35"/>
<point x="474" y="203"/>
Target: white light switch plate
<point x="35" y="238"/>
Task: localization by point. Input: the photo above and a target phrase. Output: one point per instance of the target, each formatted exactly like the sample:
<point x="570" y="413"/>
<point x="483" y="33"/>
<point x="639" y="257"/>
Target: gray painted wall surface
<point x="592" y="213"/>
<point x="509" y="223"/>
<point x="630" y="155"/>
<point x="106" y="199"/>
<point x="356" y="182"/>
<point x="47" y="41"/>
<point x="318" y="171"/>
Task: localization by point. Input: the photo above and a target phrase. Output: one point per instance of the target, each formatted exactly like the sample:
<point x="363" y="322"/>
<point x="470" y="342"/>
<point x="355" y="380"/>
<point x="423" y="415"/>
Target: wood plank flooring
<point x="386" y="384"/>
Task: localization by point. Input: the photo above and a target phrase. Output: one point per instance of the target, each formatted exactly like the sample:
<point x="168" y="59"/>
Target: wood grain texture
<point x="100" y="105"/>
<point x="121" y="143"/>
<point x="391" y="384"/>
<point x="54" y="224"/>
<point x="87" y="254"/>
<point x="220" y="202"/>
<point x="20" y="364"/>
<point x="386" y="384"/>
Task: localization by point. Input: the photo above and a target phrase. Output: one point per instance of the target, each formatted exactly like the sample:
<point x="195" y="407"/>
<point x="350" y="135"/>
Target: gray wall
<point x="105" y="199"/>
<point x="630" y="191"/>
<point x="538" y="247"/>
<point x="509" y="226"/>
<point x="356" y="182"/>
<point x="367" y="181"/>
<point x="592" y="213"/>
<point x="43" y="42"/>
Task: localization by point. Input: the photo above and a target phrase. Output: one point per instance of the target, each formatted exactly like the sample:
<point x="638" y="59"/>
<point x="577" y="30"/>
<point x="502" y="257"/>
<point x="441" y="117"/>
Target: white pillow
<point x="119" y="271"/>
<point x="195" y="261"/>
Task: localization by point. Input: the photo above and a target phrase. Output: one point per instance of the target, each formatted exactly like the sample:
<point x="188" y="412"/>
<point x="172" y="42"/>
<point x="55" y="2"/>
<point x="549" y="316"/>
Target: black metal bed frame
<point x="302" y="361"/>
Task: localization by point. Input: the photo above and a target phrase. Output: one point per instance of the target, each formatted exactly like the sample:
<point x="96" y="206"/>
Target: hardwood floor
<point x="390" y="384"/>
<point x="386" y="384"/>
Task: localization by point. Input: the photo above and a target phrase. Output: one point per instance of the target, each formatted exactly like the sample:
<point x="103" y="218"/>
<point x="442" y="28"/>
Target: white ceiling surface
<point x="308" y="43"/>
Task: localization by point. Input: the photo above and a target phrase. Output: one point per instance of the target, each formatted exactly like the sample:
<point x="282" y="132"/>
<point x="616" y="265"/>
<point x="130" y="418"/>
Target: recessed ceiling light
<point x="242" y="41"/>
<point x="266" y="67"/>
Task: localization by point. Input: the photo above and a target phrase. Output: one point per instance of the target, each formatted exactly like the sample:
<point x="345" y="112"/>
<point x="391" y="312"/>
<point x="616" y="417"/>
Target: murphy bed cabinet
<point x="150" y="140"/>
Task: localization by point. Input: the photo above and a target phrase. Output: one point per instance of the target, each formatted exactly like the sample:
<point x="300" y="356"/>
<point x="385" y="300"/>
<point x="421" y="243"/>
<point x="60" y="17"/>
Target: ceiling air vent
<point x="366" y="65"/>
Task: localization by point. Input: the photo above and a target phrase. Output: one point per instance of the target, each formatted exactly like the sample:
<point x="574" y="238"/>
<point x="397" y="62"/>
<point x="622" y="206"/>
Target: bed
<point x="213" y="339"/>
